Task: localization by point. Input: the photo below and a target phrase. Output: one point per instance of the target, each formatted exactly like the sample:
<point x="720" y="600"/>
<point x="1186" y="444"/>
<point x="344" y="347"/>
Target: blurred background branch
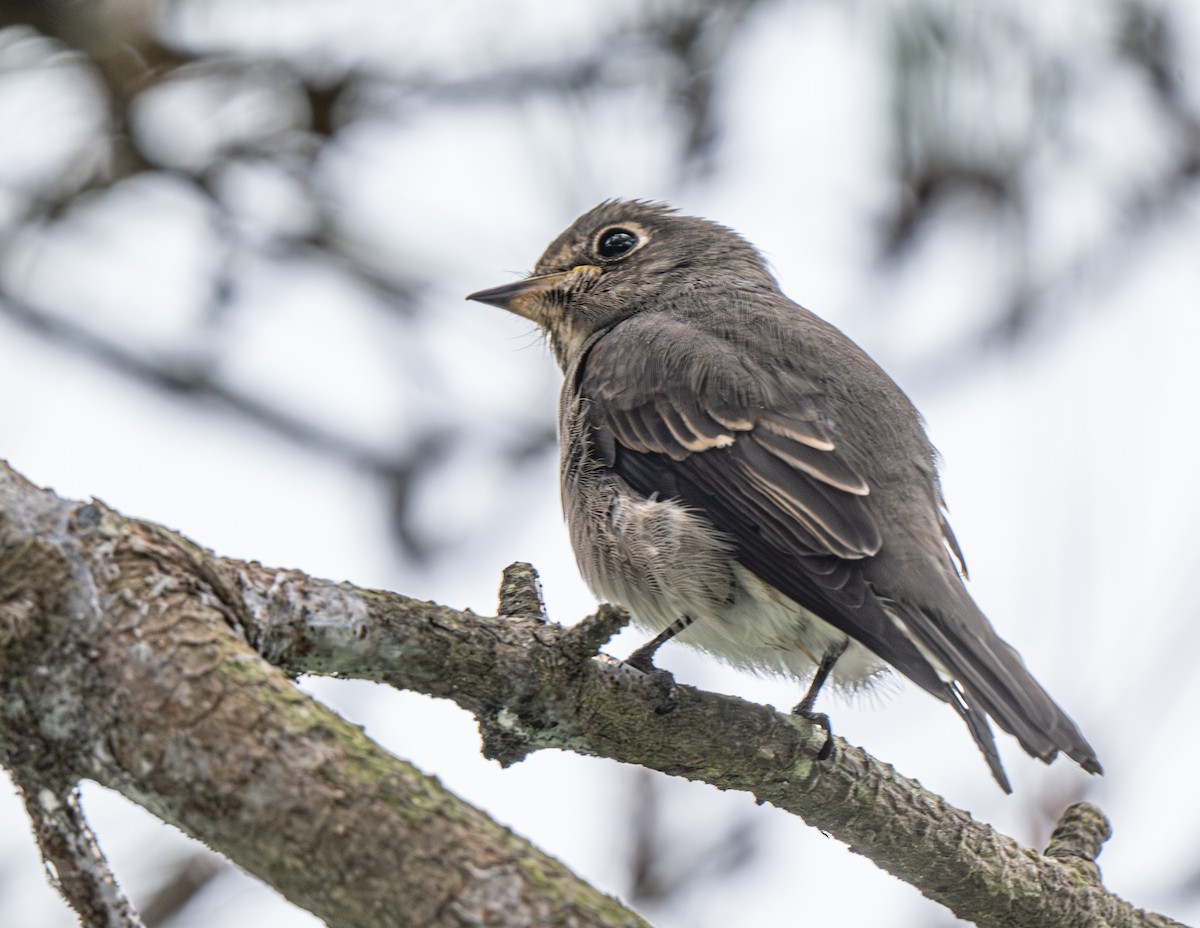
<point x="191" y="113"/>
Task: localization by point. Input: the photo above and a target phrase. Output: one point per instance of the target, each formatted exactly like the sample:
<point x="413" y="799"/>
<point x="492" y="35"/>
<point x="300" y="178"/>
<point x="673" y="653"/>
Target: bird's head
<point x="621" y="258"/>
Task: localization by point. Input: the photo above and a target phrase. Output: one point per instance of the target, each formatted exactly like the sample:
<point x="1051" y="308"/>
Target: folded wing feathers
<point x="844" y="525"/>
<point x="802" y="430"/>
<point x="786" y="461"/>
<point x="826" y="467"/>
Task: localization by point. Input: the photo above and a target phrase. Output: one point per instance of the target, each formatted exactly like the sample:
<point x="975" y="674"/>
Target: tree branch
<point x="74" y="864"/>
<point x="156" y="693"/>
<point x="122" y="660"/>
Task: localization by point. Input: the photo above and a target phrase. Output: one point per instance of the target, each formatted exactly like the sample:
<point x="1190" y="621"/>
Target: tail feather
<point x="1027" y="712"/>
<point x="981" y="731"/>
<point x="990" y="679"/>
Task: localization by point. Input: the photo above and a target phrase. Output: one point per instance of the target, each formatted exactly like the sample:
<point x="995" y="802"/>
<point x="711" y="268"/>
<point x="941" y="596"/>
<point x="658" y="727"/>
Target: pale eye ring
<point x="616" y="243"/>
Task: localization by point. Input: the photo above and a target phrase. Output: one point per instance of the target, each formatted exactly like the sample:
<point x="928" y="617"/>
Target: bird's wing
<point x="681" y="415"/>
<point x="684" y="415"/>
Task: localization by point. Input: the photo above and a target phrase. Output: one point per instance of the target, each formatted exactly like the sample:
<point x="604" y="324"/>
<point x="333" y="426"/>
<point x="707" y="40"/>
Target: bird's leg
<point x="805" y="706"/>
<point x="643" y="658"/>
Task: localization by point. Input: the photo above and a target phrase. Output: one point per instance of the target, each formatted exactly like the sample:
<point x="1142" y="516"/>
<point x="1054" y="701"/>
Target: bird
<point x="737" y="473"/>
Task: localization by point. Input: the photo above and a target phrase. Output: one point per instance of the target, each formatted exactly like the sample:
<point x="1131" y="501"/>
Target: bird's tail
<point x="981" y="731"/>
<point x="990" y="679"/>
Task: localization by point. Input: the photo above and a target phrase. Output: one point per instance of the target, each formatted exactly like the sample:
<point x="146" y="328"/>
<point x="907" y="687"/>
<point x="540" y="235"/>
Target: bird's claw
<point x="821" y="719"/>
<point x="642" y="660"/>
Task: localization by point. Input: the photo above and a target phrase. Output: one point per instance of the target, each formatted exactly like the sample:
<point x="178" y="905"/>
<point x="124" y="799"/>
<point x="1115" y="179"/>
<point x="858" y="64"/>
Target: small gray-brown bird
<point x="738" y="472"/>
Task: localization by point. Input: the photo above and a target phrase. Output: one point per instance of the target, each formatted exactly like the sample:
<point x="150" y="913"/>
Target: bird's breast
<point x="653" y="556"/>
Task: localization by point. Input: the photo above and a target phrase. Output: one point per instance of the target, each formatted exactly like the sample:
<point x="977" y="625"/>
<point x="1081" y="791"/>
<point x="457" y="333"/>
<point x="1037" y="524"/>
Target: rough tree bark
<point x="130" y="656"/>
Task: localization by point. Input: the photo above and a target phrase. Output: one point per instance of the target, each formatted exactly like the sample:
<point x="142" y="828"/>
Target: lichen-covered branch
<point x="73" y="860"/>
<point x="123" y="660"/>
<point x="531" y="686"/>
<point x="161" y="697"/>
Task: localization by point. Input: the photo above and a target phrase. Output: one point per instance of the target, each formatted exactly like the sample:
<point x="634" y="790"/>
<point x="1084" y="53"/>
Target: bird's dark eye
<point x="613" y="243"/>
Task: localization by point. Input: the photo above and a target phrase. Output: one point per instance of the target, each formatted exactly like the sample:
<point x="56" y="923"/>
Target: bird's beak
<point x="520" y="296"/>
<point x="528" y="297"/>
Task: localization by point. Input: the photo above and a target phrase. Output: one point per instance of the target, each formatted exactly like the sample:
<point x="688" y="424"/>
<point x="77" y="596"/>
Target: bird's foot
<point x="818" y="718"/>
<point x="642" y="660"/>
